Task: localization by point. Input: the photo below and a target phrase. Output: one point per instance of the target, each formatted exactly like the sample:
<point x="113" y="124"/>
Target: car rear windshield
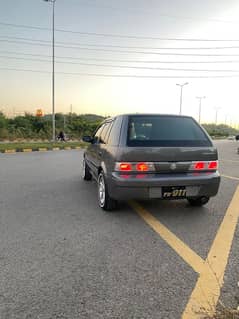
<point x="165" y="131"/>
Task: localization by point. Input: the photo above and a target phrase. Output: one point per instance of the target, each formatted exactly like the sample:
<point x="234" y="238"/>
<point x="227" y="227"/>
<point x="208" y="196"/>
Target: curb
<point x="41" y="149"/>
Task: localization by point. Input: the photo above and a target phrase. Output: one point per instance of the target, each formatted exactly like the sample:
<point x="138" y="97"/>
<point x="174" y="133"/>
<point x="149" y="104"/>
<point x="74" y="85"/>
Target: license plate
<point x="174" y="192"/>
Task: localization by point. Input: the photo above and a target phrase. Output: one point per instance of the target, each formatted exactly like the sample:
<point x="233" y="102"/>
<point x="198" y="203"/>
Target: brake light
<point x="142" y="167"/>
<point x="199" y="165"/>
<point x="134" y="167"/>
<point x="204" y="166"/>
<point x="213" y="165"/>
<point x="125" y="167"/>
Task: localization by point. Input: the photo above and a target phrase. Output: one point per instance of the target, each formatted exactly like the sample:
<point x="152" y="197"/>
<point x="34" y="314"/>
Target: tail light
<point x="147" y="167"/>
<point x="142" y="167"/>
<point x="199" y="165"/>
<point x="125" y="167"/>
<point x="134" y="167"/>
<point x="204" y="166"/>
<point x="213" y="165"/>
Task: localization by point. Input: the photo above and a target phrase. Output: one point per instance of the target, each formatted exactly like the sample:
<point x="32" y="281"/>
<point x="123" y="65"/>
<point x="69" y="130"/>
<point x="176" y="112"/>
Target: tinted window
<point x="103" y="134"/>
<point x="108" y="131"/>
<point x="165" y="131"/>
<point x="97" y="134"/>
<point x="115" y="132"/>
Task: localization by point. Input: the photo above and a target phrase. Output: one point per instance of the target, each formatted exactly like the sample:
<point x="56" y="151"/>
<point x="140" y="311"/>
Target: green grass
<point x="36" y="145"/>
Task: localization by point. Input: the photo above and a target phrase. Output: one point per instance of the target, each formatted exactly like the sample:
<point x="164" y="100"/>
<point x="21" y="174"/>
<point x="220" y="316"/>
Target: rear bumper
<point x="124" y="187"/>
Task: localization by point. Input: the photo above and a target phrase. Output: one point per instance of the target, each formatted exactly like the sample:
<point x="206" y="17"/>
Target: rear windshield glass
<point x="165" y="131"/>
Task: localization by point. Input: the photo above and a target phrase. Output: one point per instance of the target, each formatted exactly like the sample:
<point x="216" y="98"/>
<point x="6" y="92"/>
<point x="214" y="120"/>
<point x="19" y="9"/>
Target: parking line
<point x="231" y="177"/>
<point x="207" y="290"/>
<point x="185" y="252"/>
<point x="206" y="293"/>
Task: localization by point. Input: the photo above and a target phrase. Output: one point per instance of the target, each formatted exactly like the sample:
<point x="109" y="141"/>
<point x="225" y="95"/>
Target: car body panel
<point x="137" y="186"/>
<point x="167" y="154"/>
<point x="123" y="185"/>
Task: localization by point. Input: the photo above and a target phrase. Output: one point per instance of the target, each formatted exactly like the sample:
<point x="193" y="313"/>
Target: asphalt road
<point x="62" y="257"/>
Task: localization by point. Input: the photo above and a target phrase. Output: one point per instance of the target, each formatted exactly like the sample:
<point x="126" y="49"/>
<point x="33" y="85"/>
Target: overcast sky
<point x="148" y="22"/>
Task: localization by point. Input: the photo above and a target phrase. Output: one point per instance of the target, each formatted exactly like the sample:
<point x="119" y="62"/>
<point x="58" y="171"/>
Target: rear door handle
<point x="100" y="153"/>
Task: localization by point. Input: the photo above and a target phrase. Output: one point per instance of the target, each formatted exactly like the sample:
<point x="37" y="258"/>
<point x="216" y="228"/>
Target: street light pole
<point x="217" y="109"/>
<point x="181" y="96"/>
<point x="53" y="70"/>
<point x="200" y="107"/>
<point x="71" y="113"/>
<point x="226" y="116"/>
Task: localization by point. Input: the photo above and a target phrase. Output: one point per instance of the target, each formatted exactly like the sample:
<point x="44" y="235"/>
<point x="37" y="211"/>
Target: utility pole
<point x="64" y="123"/>
<point x="217" y="109"/>
<point x="200" y="107"/>
<point x="226" y="115"/>
<point x="181" y="96"/>
<point x="53" y="70"/>
<point x="71" y="113"/>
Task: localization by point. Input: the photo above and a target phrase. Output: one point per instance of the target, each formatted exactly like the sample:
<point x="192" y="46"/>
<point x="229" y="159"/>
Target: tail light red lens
<point x="125" y="167"/>
<point x="213" y="165"/>
<point x="199" y="165"/>
<point x="142" y="167"/>
<point x="204" y="166"/>
<point x="134" y="167"/>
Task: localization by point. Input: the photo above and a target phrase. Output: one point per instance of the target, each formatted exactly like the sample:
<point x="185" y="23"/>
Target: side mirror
<point x="87" y="139"/>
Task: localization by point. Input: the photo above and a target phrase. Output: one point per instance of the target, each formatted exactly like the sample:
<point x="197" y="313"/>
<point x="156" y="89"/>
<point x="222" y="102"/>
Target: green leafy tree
<point x="30" y="126"/>
<point x="220" y="130"/>
<point x="3" y="126"/>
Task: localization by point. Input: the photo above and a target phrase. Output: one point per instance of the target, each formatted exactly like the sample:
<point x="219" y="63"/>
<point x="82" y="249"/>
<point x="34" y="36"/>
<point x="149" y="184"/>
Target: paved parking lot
<point x="63" y="257"/>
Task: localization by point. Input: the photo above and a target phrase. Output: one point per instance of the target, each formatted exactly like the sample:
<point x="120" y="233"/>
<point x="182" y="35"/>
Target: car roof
<point x="126" y="115"/>
<point x="153" y="114"/>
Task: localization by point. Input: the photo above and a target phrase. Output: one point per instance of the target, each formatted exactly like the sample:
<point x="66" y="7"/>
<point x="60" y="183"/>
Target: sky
<point x="116" y="57"/>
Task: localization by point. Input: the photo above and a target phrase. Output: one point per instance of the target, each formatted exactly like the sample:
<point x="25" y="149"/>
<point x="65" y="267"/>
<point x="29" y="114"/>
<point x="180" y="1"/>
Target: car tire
<point x="198" y="201"/>
<point x="86" y="175"/>
<point x="105" y="201"/>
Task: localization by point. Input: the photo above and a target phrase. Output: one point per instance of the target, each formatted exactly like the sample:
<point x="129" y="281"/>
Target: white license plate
<point x="156" y="192"/>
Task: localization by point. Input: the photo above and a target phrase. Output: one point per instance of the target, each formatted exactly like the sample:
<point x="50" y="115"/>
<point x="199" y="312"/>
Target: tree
<point x="30" y="126"/>
<point x="3" y="126"/>
<point x="219" y="130"/>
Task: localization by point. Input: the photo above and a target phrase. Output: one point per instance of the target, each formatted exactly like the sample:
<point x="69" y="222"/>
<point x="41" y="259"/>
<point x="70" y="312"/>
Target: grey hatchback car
<point x="146" y="156"/>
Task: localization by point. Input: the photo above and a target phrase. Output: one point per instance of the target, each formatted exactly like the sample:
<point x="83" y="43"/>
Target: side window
<point x="108" y="132"/>
<point x="115" y="132"/>
<point x="97" y="134"/>
<point x="104" y="133"/>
